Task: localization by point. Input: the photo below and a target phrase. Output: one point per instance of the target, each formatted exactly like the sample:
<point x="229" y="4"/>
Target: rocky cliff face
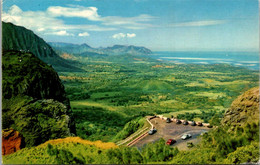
<point x="34" y="100"/>
<point x="12" y="141"/>
<point x="245" y="109"/>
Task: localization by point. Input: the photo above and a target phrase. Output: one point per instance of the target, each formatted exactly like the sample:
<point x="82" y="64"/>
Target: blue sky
<point x="161" y="25"/>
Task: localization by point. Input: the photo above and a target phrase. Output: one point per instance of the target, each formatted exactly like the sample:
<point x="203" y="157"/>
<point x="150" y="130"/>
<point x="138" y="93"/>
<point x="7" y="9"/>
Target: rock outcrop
<point x="34" y="100"/>
<point x="12" y="141"/>
<point x="245" y="109"/>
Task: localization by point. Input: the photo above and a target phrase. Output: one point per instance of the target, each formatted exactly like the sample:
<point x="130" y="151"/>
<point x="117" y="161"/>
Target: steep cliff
<point x="34" y="100"/>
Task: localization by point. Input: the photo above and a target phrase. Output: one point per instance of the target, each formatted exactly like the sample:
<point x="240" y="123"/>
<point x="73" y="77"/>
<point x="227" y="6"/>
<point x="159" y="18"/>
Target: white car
<point x="152" y="131"/>
<point x="186" y="136"/>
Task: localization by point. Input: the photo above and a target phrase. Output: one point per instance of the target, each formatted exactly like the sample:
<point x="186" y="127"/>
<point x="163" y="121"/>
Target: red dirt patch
<point x="12" y="141"/>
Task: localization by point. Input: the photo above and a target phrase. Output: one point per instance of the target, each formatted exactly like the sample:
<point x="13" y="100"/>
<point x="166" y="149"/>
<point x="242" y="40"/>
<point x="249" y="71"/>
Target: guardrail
<point x="142" y="135"/>
<point x="145" y="132"/>
<point x="137" y="139"/>
<point x="173" y="119"/>
<point x="130" y="137"/>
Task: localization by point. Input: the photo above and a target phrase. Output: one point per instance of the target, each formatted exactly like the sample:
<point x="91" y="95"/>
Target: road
<point x="172" y="131"/>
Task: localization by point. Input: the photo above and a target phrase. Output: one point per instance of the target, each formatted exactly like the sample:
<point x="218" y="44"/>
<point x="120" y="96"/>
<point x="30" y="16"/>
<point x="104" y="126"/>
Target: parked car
<point x="152" y="131"/>
<point x="209" y="126"/>
<point x="170" y="142"/>
<point x="185" y="122"/>
<point x="193" y="123"/>
<point x="178" y="121"/>
<point x="168" y="120"/>
<point x="186" y="136"/>
<point x="200" y="124"/>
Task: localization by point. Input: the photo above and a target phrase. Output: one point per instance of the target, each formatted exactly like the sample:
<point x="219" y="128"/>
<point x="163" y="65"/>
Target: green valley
<point x="80" y="111"/>
<point x="133" y="90"/>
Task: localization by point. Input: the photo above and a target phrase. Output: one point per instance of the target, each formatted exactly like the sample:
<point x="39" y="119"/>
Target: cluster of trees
<point x="95" y="123"/>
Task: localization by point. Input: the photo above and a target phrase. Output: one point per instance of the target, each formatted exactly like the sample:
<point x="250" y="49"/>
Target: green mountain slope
<point x="34" y="101"/>
<point x="21" y="39"/>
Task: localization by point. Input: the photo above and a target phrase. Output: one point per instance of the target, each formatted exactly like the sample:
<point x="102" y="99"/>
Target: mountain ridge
<point x="19" y="38"/>
<point x="82" y="49"/>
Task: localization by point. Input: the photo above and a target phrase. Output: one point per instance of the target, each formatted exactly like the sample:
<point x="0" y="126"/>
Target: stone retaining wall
<point x="174" y="120"/>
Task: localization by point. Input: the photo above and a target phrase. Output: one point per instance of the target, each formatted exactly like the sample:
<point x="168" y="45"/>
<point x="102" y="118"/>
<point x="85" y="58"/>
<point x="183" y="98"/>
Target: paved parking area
<point x="173" y="131"/>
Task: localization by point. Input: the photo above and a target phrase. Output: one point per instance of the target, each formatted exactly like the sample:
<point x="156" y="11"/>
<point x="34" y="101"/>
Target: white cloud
<point x="60" y="33"/>
<point x="40" y="29"/>
<point x="84" y="12"/>
<point x="46" y="22"/>
<point x="122" y="35"/>
<point x="199" y="23"/>
<point x="49" y="21"/>
<point x="138" y="22"/>
<point x="131" y="35"/>
<point x="85" y="34"/>
<point x="119" y="35"/>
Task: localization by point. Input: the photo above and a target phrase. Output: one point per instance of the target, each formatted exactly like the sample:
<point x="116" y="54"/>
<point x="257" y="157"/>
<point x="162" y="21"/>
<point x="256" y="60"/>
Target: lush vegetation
<point x="34" y="101"/>
<point x="110" y="98"/>
<point x="222" y="146"/>
<point x="79" y="153"/>
<point x="113" y="108"/>
<point x="133" y="86"/>
<point x="218" y="146"/>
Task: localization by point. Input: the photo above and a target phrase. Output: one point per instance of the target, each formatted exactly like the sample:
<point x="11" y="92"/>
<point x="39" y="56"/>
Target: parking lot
<point x="173" y="131"/>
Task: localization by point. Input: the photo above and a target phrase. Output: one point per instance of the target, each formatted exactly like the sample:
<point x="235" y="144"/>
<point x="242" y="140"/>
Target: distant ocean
<point x="249" y="60"/>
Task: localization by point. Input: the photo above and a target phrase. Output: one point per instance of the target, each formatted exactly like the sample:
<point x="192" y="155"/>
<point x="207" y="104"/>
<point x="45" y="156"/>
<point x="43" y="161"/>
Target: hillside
<point x="34" y="101"/>
<point x="245" y="109"/>
<point x="85" y="50"/>
<point x="21" y="39"/>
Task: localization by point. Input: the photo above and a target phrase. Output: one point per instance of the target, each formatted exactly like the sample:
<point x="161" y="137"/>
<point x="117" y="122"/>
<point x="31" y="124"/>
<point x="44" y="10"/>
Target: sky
<point x="160" y="25"/>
